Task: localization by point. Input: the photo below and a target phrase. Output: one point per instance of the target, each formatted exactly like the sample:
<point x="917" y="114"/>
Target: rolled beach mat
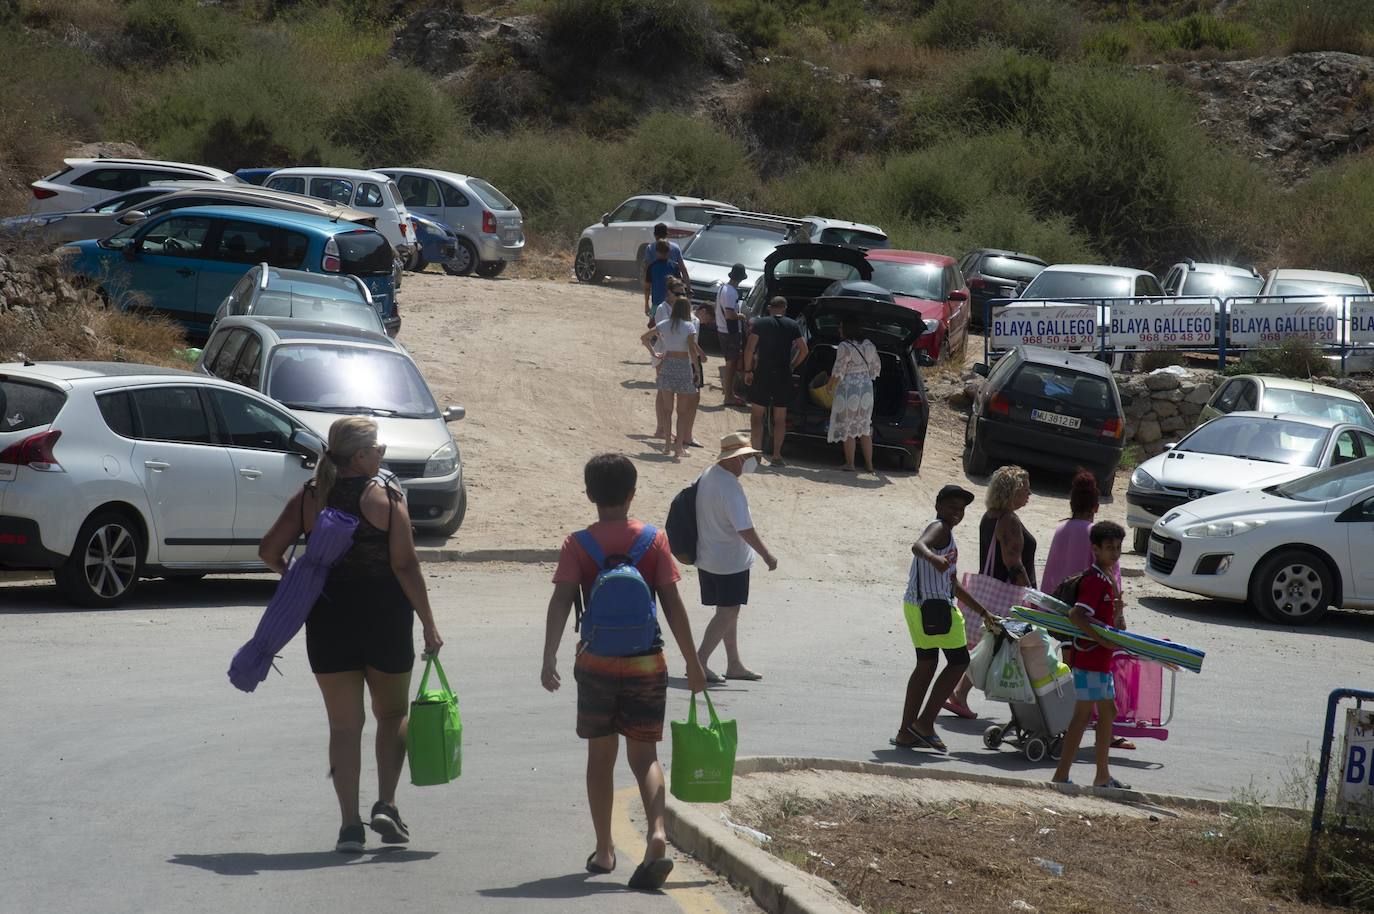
<point x="1170" y="653"/>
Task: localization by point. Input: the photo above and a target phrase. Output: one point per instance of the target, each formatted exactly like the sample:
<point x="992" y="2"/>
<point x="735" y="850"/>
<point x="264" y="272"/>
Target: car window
<point x="228" y="353"/>
<point x="695" y="215"/>
<point x="108" y="179"/>
<point x="1348" y="447"/>
<point x="1256" y="438"/>
<point x="452" y="195"/>
<point x="255" y="242"/>
<point x="118" y="412"/>
<point x="251" y="424"/>
<point x="1366" y="442"/>
<point x="25" y="405"/>
<point x="649" y="210"/>
<point x="1312" y="403"/>
<point x="364" y="252"/>
<point x="353" y="313"/>
<point x="337" y="189"/>
<point x="853" y="238"/>
<point x="248" y="369"/>
<point x="1173" y="281"/>
<point x="497" y="200"/>
<point x="1001" y="371"/>
<point x="1219" y="284"/>
<point x="125" y="201"/>
<point x="1016" y="268"/>
<point x="1065" y="284"/>
<point x="1247" y="397"/>
<point x="177" y="236"/>
<point x="1226" y="400"/>
<point x="806" y="266"/>
<point x="291" y="185"/>
<point x="369" y="195"/>
<point x="1147" y="285"/>
<point x="1334" y="482"/>
<point x="625" y="212"/>
<point x="1314" y="288"/>
<point x="418" y="191"/>
<point x="1064" y="386"/>
<point x="171" y="414"/>
<point x="211" y="351"/>
<point x="242" y="292"/>
<point x="916" y="280"/>
<point x="348" y="380"/>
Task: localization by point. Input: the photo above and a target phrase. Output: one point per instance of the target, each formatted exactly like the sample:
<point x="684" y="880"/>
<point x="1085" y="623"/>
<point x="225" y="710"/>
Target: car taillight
<point x="42" y="193"/>
<point x="680" y="233"/>
<point x="488" y="222"/>
<point x="1111" y="428"/>
<point x="914" y="399"/>
<point x="34" y="452"/>
<point x="405" y="230"/>
<point x="999" y="405"/>
<point x="331" y="262"/>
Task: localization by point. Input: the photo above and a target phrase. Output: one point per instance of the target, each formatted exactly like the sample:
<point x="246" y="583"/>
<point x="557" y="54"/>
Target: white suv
<point x="86" y="182"/>
<point x="112" y="472"/>
<point x="369" y="191"/>
<point x="615" y="246"/>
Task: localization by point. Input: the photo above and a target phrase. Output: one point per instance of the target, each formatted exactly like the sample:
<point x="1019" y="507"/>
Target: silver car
<point x="490" y="228"/>
<point x="268" y="291"/>
<point x="323" y="371"/>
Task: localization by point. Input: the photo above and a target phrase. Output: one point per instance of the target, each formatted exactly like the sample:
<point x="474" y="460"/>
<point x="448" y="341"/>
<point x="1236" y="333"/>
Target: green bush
<point x="1008" y="87"/>
<point x="584" y="33"/>
<point x="1315" y="25"/>
<point x="791" y="107"/>
<point x="1330" y="220"/>
<point x="1201" y="30"/>
<point x="181" y="30"/>
<point x="396" y="116"/>
<point x="1109" y="45"/>
<point x="1051" y="28"/>
<point x="757" y="23"/>
<point x="682" y="154"/>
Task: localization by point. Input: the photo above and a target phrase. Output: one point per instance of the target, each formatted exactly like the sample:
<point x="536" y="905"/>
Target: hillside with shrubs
<point x="1127" y="132"/>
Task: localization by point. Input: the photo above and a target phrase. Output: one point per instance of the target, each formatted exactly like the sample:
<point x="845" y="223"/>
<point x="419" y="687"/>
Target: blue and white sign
<point x="1256" y="323"/>
<point x="1051" y="326"/>
<point x="1355" y="789"/>
<point x="1361" y="320"/>
<point x="1161" y="326"/>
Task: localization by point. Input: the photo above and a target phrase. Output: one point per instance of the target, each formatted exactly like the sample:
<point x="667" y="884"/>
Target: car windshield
<point x="349" y="379"/>
<point x="805" y="266"/>
<point x="1255" y="438"/>
<point x="1065" y="284"/>
<point x="1011" y="268"/>
<point x="489" y="195"/>
<point x="120" y="239"/>
<point x="724" y="245"/>
<point x="274" y="303"/>
<point x="1222" y="284"/>
<point x="1314" y="287"/>
<point x="122" y="202"/>
<point x="1073" y="390"/>
<point x="853" y="238"/>
<point x="364" y="252"/>
<point x="1311" y="403"/>
<point x="1334" y="482"/>
<point x="918" y="280"/>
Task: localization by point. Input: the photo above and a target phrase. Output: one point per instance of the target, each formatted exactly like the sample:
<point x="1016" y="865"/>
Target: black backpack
<point x="1067" y="591"/>
<point x="682" y="525"/>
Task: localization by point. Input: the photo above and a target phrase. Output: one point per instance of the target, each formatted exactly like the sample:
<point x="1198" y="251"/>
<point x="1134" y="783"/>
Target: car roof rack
<point x="1192" y="264"/>
<point x="745" y="214"/>
<point x="262" y="280"/>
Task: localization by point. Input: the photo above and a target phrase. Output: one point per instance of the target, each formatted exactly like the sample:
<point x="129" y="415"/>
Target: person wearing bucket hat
<point x="727" y="330"/>
<point x="726" y="543"/>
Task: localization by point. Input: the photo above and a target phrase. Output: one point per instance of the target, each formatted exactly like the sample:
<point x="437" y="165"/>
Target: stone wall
<point x="1163" y="405"/>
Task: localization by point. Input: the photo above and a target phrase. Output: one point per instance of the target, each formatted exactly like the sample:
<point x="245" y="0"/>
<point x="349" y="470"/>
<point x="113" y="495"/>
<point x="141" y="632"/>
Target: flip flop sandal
<point x="934" y="742"/>
<point x="651" y="876"/>
<point x="749" y="677"/>
<point x="1114" y="784"/>
<point x="715" y="679"/>
<point x="1122" y="742"/>
<point x="598" y="869"/>
<point x="963" y="711"/>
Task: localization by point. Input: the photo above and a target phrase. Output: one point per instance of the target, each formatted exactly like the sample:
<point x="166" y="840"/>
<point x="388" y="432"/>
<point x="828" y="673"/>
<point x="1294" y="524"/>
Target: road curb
<point x="436" y="554"/>
<point x="780" y="888"/>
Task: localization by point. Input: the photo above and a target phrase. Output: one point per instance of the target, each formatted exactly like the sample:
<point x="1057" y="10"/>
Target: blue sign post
<point x="1357" y="769"/>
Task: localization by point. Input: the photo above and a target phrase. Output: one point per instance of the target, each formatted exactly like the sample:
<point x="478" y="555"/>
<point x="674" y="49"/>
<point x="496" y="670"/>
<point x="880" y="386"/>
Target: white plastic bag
<point x="980" y="660"/>
<point x="1007" y="679"/>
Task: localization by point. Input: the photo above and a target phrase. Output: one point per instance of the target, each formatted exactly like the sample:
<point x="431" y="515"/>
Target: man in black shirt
<point x="774" y="350"/>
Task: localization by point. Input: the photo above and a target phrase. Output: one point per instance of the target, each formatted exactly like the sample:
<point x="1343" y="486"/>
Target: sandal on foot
<point x="1114" y="784"/>
<point x="651" y="876"/>
<point x="962" y="710"/>
<point x="598" y="869"/>
<point x="1122" y="742"/>
<point x="750" y="676"/>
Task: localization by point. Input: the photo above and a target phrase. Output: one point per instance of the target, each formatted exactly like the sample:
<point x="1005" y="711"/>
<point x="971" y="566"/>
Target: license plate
<point x="1156" y="547"/>
<point x="510" y="237"/>
<point x="1059" y="419"/>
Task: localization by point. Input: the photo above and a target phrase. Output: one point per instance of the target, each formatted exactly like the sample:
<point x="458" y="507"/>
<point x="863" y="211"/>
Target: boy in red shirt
<point x="621" y="696"/>
<point x="1100" y="602"/>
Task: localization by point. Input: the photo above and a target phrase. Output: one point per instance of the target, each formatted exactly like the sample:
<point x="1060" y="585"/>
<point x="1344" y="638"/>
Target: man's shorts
<point x="624" y="695"/>
<point x="724" y="589"/>
<point x="1090" y="685"/>
<point x="771" y="389"/>
<point x="729" y="341"/>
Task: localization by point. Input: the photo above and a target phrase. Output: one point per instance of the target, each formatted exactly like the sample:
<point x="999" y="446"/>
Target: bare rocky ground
<point x="552" y="372"/>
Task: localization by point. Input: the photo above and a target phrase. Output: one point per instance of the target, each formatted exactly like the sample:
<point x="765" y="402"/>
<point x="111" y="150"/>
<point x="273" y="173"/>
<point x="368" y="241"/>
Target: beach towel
<point x="1167" y="652"/>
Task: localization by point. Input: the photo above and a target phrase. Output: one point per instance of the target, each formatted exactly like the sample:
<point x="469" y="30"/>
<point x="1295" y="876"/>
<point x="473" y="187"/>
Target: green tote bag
<point x="703" y="757"/>
<point x="434" y="736"/>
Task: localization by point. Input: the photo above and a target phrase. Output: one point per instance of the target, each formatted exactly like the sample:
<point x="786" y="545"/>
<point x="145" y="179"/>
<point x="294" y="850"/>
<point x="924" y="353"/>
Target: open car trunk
<point x="889" y="388"/>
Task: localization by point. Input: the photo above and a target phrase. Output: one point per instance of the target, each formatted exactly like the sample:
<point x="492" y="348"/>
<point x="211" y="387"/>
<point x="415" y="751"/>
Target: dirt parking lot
<point x="552" y="372"/>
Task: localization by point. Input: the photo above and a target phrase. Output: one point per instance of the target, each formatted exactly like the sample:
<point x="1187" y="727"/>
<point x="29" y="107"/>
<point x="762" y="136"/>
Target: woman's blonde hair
<point x="1004" y="485"/>
<point x="347" y="436"/>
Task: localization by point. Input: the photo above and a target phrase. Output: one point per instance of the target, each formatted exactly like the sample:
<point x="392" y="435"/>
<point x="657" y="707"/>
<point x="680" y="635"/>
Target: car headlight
<point x="1142" y="480"/>
<point x="443" y="461"/>
<point x="932" y="326"/>
<point x="68" y="250"/>
<point x="1224" y="528"/>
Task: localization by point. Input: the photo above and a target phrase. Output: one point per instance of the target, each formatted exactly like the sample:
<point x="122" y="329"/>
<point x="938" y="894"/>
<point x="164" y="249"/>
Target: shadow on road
<point x="250" y="864"/>
<point x="1339" y="623"/>
<point x="155" y="594"/>
<point x="1006" y="760"/>
<point x="572" y="885"/>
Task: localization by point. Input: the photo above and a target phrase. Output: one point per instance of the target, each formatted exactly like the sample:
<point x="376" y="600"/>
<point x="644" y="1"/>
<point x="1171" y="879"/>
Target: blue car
<point x="436" y="242"/>
<point x="255" y="175"/>
<point x="184" y="262"/>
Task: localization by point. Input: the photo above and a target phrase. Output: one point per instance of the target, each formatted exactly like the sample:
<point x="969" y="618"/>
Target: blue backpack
<point x="621" y="617"/>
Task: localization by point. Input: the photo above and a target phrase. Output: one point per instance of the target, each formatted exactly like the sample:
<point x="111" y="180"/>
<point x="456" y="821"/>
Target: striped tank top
<point x="925" y="581"/>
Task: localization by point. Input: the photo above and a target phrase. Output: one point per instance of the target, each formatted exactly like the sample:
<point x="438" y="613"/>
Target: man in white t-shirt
<point x="726" y="543"/>
<point x="728" y="330"/>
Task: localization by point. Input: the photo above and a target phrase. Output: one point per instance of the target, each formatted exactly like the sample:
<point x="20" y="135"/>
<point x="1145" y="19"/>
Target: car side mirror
<point x="958" y="295"/>
<point x="310" y="446"/>
<point x="980" y="369"/>
<point x="924" y="359"/>
<point x="605" y="218"/>
<point x="1170" y="445"/>
<point x="454" y="413"/>
<point x="132" y="217"/>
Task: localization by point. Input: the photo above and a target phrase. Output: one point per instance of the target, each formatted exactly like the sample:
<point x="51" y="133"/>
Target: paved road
<point x="137" y="780"/>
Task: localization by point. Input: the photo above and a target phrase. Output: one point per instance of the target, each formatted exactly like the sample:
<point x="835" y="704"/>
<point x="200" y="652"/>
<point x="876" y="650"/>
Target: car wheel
<point x="584" y="265"/>
<point x="1292" y="588"/>
<point x="1106" y="478"/>
<point x="418" y="264"/>
<point x="463" y="260"/>
<point x="490" y="269"/>
<point x="975" y="459"/>
<point x="1140" y="539"/>
<point x="106" y="561"/>
<point x="945" y="352"/>
<point x="452" y="526"/>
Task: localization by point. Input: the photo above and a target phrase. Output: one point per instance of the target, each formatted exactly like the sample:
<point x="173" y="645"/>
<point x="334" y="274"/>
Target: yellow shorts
<point x="954" y="638"/>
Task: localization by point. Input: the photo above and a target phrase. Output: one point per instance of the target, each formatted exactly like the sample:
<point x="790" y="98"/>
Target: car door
<point x="166" y="265"/>
<point x="187" y="474"/>
<point x="241" y="246"/>
<point x="421" y="195"/>
<point x="639" y="231"/>
<point x="611" y="241"/>
<point x="1346" y="447"/>
<point x="268" y="468"/>
<point x="956" y="293"/>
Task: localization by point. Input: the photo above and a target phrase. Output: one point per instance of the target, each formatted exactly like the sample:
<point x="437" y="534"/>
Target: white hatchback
<point x="86" y="182"/>
<point x="112" y="472"/>
<point x="368" y="191"/>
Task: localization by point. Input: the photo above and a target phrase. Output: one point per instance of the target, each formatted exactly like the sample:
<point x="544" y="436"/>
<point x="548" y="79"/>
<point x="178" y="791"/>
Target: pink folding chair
<point x="1140" y="698"/>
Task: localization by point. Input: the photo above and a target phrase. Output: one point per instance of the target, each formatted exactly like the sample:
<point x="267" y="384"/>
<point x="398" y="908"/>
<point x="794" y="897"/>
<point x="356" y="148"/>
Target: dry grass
<point x="880" y="51"/>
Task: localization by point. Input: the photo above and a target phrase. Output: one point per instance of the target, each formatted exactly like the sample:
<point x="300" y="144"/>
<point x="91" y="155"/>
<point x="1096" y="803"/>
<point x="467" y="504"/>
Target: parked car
<point x="184" y="262"/>
<point x="323" y="371"/>
<point x="131" y="208"/>
<point x="1048" y="409"/>
<point x="1289" y="550"/>
<point x="1272" y="394"/>
<point x="434" y="242"/>
<point x="615" y="245"/>
<point x="1221" y="280"/>
<point x="365" y="190"/>
<point x="1242" y="450"/>
<point x="112" y="472"/>
<point x="900" y="409"/>
<point x="993" y="273"/>
<point x="801" y="270"/>
<point x="255" y="175"/>
<point x="933" y="285"/>
<point x="1333" y="290"/>
<point x="1096" y="281"/>
<point x="490" y="228"/>
<point x="852" y="234"/>
<point x="732" y="237"/>
<point x="86" y="182"/>
<point x="266" y="291"/>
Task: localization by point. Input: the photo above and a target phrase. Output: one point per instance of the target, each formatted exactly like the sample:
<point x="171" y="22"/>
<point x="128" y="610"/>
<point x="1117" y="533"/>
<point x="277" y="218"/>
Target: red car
<point x="933" y="285"/>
